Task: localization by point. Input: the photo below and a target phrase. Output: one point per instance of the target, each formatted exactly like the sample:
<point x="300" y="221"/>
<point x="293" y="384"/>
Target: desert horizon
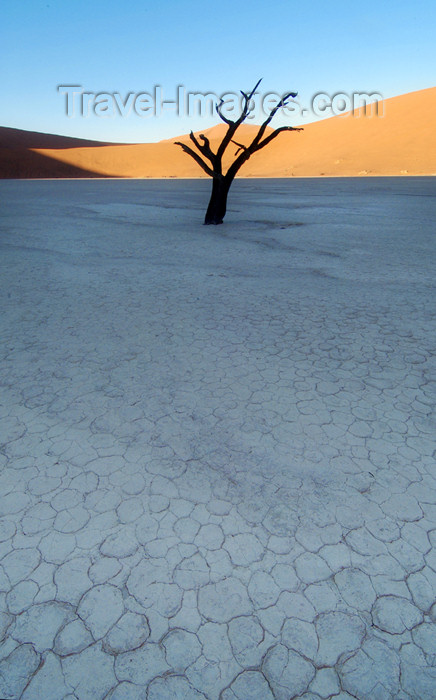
<point x="402" y="141"/>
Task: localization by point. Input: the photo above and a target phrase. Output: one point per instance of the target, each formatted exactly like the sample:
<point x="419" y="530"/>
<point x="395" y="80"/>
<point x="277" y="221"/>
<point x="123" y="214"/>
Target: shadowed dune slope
<point x="21" y="163"/>
<point x="400" y="140"/>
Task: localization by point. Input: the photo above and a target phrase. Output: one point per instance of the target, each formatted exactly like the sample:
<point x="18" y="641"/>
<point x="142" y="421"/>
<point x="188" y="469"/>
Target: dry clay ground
<point x="217" y="449"/>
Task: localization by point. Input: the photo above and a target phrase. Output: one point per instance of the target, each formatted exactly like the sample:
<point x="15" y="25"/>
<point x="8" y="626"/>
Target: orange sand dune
<point x="401" y="142"/>
<point x="16" y="138"/>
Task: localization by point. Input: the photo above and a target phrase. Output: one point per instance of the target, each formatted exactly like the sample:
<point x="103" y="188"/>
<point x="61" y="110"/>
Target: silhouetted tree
<point x="222" y="181"/>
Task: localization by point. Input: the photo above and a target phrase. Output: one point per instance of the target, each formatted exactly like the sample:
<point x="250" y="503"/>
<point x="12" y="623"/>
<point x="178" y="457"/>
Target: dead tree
<point x="222" y="181"/>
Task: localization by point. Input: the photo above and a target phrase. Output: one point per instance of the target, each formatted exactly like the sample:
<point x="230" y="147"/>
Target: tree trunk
<point x="218" y="201"/>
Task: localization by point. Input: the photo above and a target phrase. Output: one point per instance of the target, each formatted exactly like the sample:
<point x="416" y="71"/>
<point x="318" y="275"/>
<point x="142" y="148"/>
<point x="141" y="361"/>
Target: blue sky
<point x="220" y="47"/>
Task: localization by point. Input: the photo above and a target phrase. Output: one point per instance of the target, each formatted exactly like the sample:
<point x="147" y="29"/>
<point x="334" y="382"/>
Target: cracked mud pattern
<point x="217" y="465"/>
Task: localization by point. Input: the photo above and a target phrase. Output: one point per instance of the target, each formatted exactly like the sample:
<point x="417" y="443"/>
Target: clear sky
<point x="130" y="46"/>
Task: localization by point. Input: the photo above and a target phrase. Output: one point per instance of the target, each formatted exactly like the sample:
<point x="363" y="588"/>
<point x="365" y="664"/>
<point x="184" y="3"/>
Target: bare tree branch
<point x="253" y="147"/>
<point x="197" y="159"/>
<point x="247" y="99"/>
<point x="241" y="146"/>
<point x="206" y="142"/>
<point x="218" y="108"/>
<point x="275" y="133"/>
<point x="233" y="126"/>
<point x="250" y="94"/>
<point x="204" y="148"/>
<point x="193" y="138"/>
<point x="282" y="103"/>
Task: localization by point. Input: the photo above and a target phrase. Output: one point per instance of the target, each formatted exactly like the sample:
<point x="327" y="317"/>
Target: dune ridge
<point x="401" y="142"/>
